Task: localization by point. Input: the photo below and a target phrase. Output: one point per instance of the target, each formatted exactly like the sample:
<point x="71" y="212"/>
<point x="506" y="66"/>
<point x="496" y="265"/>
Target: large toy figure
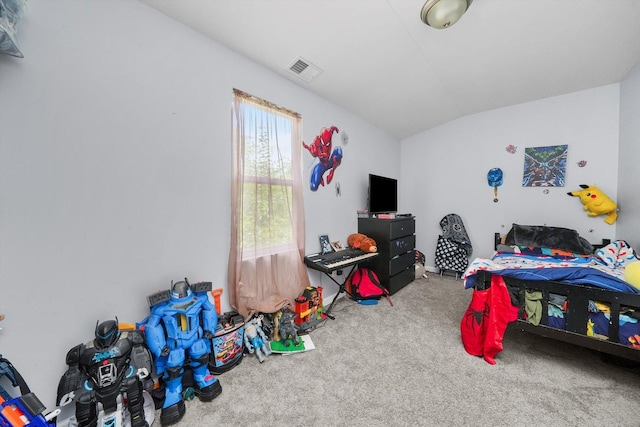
<point x="255" y="339"/>
<point x="105" y="377"/>
<point x="285" y="328"/>
<point x="327" y="160"/>
<point x="178" y="333"/>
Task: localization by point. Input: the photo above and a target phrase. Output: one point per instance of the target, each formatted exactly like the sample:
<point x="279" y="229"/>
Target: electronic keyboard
<point x="338" y="260"/>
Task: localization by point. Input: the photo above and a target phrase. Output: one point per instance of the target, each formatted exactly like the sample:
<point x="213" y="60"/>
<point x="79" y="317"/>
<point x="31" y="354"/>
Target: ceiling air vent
<point x="305" y="70"/>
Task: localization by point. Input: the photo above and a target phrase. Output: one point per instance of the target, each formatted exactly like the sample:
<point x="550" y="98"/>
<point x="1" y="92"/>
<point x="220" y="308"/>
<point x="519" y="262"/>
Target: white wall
<point x="444" y="170"/>
<point x="115" y="162"/>
<point x="628" y="171"/>
<point x="115" y="156"/>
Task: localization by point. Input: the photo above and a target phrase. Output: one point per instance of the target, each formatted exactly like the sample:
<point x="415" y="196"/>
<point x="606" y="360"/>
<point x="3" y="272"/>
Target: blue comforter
<point x="577" y="271"/>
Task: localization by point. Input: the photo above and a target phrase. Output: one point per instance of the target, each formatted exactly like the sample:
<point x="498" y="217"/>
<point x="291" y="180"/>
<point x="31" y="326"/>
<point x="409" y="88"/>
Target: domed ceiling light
<point x="443" y="13"/>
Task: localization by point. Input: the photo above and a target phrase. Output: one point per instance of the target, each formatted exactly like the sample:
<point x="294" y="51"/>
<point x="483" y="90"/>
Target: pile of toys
<point x="128" y="371"/>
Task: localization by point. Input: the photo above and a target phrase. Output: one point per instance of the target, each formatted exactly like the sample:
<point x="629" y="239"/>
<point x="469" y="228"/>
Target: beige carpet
<point x="405" y="366"/>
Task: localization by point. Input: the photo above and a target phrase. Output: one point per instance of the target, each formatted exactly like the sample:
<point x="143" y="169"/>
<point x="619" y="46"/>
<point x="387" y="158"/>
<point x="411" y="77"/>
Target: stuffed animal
<point x="360" y="241"/>
<point x="596" y="202"/>
<point x="632" y="274"/>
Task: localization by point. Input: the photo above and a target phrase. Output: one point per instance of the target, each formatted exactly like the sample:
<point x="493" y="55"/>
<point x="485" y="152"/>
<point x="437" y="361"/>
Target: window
<point x="266" y="269"/>
<point x="267" y="187"/>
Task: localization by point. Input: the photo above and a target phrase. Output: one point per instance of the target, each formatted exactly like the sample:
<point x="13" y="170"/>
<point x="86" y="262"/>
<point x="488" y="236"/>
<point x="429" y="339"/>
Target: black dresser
<point x="396" y="242"/>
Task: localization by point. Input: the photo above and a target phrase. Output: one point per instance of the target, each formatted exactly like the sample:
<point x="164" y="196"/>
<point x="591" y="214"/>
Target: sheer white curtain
<point x="266" y="268"/>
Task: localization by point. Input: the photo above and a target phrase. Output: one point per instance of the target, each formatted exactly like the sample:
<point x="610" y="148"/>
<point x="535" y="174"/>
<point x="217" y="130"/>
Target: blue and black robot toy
<point x="178" y="332"/>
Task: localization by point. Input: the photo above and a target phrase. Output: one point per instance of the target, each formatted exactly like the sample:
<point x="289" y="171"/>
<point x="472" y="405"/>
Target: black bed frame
<point x="578" y="297"/>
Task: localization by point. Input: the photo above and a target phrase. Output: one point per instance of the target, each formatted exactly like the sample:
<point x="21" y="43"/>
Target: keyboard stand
<point x="342" y="287"/>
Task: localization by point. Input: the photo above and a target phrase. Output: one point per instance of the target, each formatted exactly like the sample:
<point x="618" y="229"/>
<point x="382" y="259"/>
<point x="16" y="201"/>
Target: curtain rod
<point x="264" y="103"/>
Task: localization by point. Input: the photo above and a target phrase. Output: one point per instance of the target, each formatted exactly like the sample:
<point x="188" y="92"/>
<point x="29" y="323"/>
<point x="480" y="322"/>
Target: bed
<point x="560" y="286"/>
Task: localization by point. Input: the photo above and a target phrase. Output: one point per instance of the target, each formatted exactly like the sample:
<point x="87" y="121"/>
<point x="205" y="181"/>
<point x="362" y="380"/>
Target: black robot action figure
<point x="105" y="376"/>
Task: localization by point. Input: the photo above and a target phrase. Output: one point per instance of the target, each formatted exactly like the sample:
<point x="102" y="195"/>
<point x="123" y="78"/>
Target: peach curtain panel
<point x="266" y="270"/>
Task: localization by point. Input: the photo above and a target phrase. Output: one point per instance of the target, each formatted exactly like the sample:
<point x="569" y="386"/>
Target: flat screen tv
<point x="383" y="194"/>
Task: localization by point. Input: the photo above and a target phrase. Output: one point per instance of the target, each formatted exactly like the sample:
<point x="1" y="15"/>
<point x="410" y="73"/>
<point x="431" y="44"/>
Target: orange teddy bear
<point x="360" y="241"/>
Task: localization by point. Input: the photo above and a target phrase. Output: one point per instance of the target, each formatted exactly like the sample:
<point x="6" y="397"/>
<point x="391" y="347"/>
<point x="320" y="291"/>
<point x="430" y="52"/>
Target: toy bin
<point x="227" y="343"/>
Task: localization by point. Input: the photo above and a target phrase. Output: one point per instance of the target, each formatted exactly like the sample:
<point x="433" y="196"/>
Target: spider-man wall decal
<point x="327" y="160"/>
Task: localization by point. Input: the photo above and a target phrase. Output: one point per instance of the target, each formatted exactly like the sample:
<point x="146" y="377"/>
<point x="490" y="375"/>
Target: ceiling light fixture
<point x="443" y="13"/>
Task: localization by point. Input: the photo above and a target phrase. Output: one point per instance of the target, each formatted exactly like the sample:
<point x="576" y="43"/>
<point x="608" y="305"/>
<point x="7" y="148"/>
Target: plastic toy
<point x="327" y="160"/>
<point x="255" y="339"/>
<point x="178" y="333"/>
<point x="494" y="178"/>
<point x="25" y="409"/>
<point x="595" y="202"/>
<point x="285" y="328"/>
<point x="22" y="411"/>
<point x="228" y="344"/>
<point x="216" y="294"/>
<point x="362" y="242"/>
<point x="106" y="379"/>
<point x="309" y="309"/>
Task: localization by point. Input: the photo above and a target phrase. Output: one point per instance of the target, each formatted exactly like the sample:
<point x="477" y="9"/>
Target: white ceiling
<point x="382" y="63"/>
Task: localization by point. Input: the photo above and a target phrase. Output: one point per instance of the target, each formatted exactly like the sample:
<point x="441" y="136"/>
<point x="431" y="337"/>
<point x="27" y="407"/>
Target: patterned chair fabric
<point x="453" y="249"/>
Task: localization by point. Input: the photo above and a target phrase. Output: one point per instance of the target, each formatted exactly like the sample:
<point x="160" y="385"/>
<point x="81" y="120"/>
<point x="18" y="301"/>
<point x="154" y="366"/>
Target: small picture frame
<point x="337" y="246"/>
<point x="325" y="245"/>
